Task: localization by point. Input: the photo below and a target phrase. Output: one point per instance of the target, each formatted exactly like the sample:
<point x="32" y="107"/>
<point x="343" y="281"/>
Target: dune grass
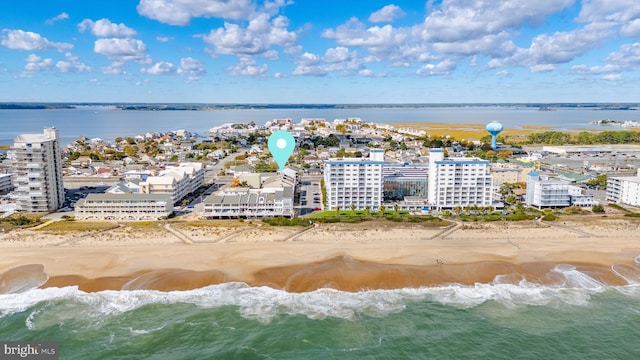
<point x="61" y="227"/>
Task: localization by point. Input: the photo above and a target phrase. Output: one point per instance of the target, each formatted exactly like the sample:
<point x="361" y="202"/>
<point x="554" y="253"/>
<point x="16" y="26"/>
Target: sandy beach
<point x="351" y="257"/>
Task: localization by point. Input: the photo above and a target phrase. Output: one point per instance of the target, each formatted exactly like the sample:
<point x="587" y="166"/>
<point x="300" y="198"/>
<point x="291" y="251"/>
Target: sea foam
<point x="264" y="303"/>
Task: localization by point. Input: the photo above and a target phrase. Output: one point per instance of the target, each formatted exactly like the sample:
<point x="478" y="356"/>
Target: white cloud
<point x="180" y="12"/>
<point x="164" y="39"/>
<point x="308" y="59"/>
<point x="595" y="70"/>
<point x="495" y="45"/>
<point x="72" y="65"/>
<point x="122" y="50"/>
<point x="271" y="55"/>
<point x="115" y="68"/>
<point x="303" y="70"/>
<point x="628" y="58"/>
<point x="558" y="48"/>
<point x="105" y="28"/>
<point x="377" y="40"/>
<point x="256" y="39"/>
<point x="460" y="20"/>
<point x="59" y="17"/>
<point x="191" y="68"/>
<point x="442" y="68"/>
<point x="618" y="11"/>
<point x="30" y="41"/>
<point x="631" y="29"/>
<point x="542" y="68"/>
<point x="612" y="77"/>
<point x="35" y="64"/>
<point x="387" y="14"/>
<point x="247" y="66"/>
<point x="160" y="68"/>
<point x="337" y="54"/>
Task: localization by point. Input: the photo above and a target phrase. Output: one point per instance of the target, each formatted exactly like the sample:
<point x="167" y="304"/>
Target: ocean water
<point x="583" y="319"/>
<point x="108" y="123"/>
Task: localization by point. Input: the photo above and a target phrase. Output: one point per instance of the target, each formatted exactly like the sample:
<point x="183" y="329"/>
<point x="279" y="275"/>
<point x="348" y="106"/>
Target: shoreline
<point x="349" y="257"/>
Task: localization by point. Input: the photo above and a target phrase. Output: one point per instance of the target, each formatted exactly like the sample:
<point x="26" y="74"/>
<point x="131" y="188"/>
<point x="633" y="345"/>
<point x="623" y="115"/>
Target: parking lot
<point x="310" y="197"/>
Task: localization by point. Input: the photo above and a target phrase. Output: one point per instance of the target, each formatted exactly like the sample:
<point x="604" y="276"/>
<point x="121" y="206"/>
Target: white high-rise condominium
<point x="355" y="182"/>
<point x="38" y="171"/>
<point x="458" y="181"/>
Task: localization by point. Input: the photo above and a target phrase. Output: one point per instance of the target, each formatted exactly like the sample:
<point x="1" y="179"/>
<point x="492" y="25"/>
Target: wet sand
<point x="353" y="260"/>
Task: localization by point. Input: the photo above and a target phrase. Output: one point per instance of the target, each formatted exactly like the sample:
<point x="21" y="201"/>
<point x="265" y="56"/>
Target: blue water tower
<point x="494" y="128"/>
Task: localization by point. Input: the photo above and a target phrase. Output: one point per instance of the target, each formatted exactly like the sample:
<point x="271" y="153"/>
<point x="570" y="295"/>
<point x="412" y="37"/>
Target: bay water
<point x="108" y="122"/>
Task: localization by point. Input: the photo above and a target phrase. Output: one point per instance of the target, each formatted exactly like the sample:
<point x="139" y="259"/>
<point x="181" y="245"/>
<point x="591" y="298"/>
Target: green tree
<point x="382" y="209"/>
<point x="600" y="182"/>
<point x="353" y="209"/>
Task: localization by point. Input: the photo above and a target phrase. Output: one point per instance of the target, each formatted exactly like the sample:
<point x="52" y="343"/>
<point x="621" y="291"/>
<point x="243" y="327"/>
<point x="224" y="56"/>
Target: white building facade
<point x="355" y="182"/>
<point x="38" y="171"/>
<point x="6" y="183"/>
<point x="177" y="181"/>
<point x="458" y="181"/>
<point x="233" y="203"/>
<point x="544" y="191"/>
<point x="124" y="207"/>
<point x="624" y="189"/>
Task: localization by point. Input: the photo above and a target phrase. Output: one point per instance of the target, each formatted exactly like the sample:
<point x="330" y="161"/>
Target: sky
<point x="325" y="52"/>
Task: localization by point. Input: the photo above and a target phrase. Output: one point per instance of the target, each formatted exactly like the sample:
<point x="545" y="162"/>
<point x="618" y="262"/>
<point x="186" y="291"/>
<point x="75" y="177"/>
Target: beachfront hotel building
<point x="234" y="203"/>
<point x="624" y="189"/>
<point x="544" y="191"/>
<point x="458" y="181"/>
<point x="124" y="207"/>
<point x="355" y="181"/>
<point x="38" y="171"/>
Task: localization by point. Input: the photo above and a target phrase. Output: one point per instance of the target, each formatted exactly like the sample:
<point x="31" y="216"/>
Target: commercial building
<point x="249" y="203"/>
<point x="355" y="181"/>
<point x="400" y="181"/>
<point x="38" y="171"/>
<point x="124" y="207"/>
<point x="624" y="189"/>
<point x="544" y="191"/>
<point x="458" y="181"/>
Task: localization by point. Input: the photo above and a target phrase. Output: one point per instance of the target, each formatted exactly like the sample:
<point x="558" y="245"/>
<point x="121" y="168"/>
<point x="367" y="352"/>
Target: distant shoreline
<point x="258" y="106"/>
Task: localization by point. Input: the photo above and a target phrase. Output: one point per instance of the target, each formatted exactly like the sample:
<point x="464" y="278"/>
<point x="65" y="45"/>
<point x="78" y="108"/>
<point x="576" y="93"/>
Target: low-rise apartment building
<point x="544" y="191"/>
<point x="124" y="207"/>
<point x="177" y="181"/>
<point x="233" y="203"/>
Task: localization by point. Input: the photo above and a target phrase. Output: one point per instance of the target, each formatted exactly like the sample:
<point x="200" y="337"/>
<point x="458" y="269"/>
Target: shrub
<point x="282" y="221"/>
<point x="597" y="208"/>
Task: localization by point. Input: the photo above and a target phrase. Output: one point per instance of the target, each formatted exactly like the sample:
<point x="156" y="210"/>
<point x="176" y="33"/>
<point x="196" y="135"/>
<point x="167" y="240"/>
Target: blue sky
<point x="281" y="51"/>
